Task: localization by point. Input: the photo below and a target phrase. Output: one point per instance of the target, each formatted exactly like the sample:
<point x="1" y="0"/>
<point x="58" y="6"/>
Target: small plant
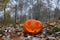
<point x="54" y="30"/>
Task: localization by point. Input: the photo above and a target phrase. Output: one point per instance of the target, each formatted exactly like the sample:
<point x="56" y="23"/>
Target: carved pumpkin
<point x="33" y="26"/>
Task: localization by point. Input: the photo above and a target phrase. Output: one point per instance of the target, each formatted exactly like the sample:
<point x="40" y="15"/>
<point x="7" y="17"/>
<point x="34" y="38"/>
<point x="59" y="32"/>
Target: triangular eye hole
<point x="37" y="24"/>
<point x="29" y="23"/>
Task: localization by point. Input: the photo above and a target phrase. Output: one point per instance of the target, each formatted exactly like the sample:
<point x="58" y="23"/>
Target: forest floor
<point x="52" y="34"/>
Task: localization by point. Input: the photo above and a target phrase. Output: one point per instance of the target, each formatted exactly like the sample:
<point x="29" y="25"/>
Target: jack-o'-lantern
<point x="33" y="26"/>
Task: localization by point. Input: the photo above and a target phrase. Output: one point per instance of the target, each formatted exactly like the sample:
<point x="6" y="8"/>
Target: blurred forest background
<point x="12" y="11"/>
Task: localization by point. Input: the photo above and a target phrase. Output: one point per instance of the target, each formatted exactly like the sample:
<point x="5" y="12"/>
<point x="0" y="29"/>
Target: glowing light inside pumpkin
<point x="33" y="26"/>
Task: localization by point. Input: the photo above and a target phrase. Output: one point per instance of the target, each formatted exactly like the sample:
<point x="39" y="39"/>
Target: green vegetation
<point x="7" y="18"/>
<point x="54" y="30"/>
<point x="3" y="4"/>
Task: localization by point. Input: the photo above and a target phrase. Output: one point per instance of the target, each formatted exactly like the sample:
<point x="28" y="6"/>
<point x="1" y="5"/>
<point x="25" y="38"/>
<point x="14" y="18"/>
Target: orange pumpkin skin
<point x="33" y="26"/>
